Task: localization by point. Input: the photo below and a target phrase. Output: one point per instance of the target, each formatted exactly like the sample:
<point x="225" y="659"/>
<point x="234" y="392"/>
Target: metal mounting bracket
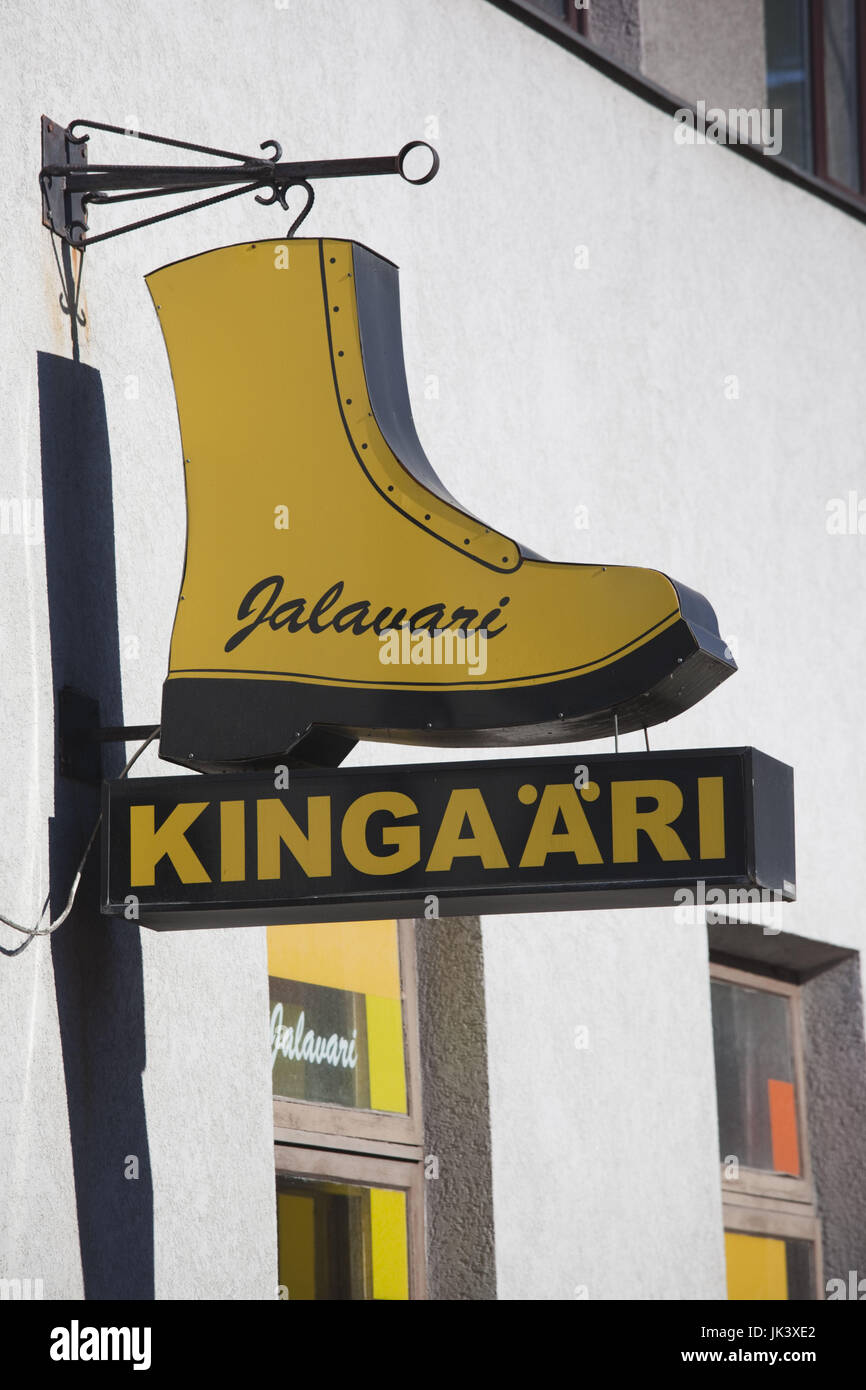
<point x="81" y="737"/>
<point x="63" y="211"/>
<point x="69" y="184"/>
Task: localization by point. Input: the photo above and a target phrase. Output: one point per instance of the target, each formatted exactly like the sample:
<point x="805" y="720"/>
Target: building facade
<point x="626" y="343"/>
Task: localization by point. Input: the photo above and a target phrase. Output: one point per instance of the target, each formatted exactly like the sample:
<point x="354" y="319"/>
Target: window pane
<point x="338" y="1241"/>
<point x="788" y="84"/>
<point x="840" y="91"/>
<point x="768" y="1267"/>
<point x="558" y="8"/>
<point x="758" y="1112"/>
<point x="337" y="1014"/>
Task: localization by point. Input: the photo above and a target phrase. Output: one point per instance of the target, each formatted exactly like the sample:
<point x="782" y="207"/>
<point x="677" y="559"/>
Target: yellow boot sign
<point x="522" y="835"/>
<point x="333" y="588"/>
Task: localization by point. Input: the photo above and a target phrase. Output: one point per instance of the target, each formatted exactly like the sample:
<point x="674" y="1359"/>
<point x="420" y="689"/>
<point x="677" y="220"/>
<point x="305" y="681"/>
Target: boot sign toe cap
<point x="700" y="615"/>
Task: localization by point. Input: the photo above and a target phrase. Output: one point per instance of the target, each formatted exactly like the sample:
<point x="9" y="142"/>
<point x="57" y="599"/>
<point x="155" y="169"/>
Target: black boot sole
<point x="222" y="723"/>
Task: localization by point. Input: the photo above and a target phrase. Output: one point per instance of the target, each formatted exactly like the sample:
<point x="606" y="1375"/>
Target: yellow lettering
<point x="277" y="827"/>
<point x="148" y="846"/>
<point x="627" y="820"/>
<point x="544" y="839"/>
<point x="466" y="803"/>
<point x="406" y="838"/>
<point x="711" y="816"/>
<point x="233" y="858"/>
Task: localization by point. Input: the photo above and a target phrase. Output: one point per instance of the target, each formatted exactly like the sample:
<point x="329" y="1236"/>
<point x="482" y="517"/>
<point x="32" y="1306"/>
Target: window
<point x="772" y="1234"/>
<point x="571" y="12"/>
<point x="347" y="1119"/>
<point x="816" y="75"/>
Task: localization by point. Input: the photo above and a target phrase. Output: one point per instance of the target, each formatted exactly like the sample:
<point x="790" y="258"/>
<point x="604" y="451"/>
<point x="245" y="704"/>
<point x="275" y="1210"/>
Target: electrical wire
<point x="58" y="922"/>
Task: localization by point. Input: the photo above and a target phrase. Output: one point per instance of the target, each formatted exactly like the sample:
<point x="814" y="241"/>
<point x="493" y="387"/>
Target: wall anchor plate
<point x="63" y="212"/>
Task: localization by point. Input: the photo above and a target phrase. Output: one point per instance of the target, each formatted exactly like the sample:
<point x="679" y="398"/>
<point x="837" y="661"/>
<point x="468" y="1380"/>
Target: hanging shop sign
<point x="521" y="835"/>
<point x="333" y="589"/>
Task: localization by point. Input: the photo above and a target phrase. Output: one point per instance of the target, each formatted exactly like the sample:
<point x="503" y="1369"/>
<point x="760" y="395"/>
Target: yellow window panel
<point x="385" y="1050"/>
<point x="358" y="956"/>
<point x="390" y="1252"/>
<point x="296" y="1250"/>
<point x="757" y="1267"/>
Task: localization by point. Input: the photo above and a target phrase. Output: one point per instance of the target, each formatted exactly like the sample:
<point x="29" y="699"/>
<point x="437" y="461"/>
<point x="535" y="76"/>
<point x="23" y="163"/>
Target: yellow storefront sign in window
<point x="337" y="1014"/>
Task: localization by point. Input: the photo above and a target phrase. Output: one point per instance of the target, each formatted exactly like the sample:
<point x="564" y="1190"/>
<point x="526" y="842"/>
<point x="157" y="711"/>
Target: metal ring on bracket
<point x="417" y="145"/>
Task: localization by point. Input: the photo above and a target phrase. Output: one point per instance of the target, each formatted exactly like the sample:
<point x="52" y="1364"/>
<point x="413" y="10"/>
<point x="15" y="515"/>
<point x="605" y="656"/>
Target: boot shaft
<point x="300" y="341"/>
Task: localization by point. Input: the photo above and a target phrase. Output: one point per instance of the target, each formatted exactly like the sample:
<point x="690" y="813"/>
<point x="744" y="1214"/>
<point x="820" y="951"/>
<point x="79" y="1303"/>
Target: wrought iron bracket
<point x="69" y="183"/>
<point x="81" y="737"/>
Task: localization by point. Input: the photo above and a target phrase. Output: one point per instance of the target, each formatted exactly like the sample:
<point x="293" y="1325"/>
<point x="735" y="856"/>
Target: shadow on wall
<point x="97" y="960"/>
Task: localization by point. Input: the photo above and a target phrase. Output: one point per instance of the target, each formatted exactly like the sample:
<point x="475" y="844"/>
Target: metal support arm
<point x="69" y="183"/>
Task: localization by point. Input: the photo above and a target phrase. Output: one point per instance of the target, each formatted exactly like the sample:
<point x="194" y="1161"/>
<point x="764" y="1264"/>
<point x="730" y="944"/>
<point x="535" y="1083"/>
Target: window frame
<point x="763" y="1203"/>
<point x="333" y="1124"/>
<point x="760" y="1182"/>
<point x="783" y="1225"/>
<point x="366" y="1170"/>
<point x="370" y="1147"/>
<point x="815" y="19"/>
<point x="633" y="80"/>
<point x="578" y="18"/>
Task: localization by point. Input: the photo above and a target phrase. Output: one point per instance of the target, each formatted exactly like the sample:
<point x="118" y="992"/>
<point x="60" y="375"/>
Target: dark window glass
<point x="332" y="1025"/>
<point x="788" y="80"/>
<point x="840" y="92"/>
<point x="798" y="1262"/>
<point x="558" y="8"/>
<point x="758" y="1111"/>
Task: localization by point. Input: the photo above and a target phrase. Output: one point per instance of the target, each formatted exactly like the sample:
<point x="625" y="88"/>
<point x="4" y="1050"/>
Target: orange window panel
<point x="783" y="1127"/>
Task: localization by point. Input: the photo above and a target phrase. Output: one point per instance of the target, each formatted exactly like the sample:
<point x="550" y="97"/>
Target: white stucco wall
<point x="557" y="386"/>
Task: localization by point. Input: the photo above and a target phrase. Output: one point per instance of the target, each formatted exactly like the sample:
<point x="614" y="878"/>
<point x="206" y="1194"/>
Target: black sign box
<point x="444" y="840"/>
